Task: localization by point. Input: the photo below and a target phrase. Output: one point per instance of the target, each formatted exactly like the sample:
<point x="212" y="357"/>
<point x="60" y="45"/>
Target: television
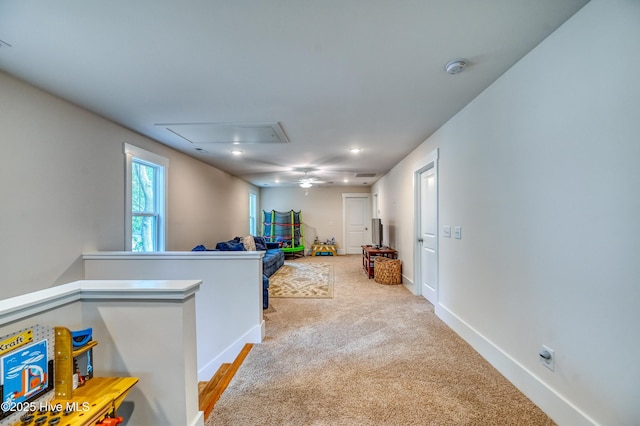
<point x="376" y="232"/>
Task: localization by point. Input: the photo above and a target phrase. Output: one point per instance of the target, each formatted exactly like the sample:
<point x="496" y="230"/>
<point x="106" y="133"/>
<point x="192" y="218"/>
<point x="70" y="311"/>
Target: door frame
<point x="346" y="195"/>
<point x="431" y="161"/>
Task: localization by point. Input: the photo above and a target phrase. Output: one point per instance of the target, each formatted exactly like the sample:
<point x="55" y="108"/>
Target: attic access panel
<point x="233" y="133"/>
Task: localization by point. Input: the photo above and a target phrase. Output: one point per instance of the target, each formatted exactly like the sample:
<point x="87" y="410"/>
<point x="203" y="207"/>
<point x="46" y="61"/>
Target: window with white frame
<point x="253" y="213"/>
<point x="145" y="212"/>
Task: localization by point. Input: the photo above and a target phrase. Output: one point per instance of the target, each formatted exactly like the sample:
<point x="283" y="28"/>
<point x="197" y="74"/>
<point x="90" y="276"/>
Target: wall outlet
<point x="547" y="357"/>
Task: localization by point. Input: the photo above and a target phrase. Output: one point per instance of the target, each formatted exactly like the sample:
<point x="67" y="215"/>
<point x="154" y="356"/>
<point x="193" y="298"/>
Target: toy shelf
<point x="95" y="401"/>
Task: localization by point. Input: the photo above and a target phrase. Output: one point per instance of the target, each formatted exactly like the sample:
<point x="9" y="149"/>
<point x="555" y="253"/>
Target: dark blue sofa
<point x="272" y="261"/>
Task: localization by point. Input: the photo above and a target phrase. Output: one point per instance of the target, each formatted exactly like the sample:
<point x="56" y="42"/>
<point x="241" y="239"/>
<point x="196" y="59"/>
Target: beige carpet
<point x="373" y="355"/>
<point x="297" y="278"/>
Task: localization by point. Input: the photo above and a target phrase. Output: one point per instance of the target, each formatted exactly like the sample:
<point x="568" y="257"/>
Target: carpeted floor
<point x="372" y="355"/>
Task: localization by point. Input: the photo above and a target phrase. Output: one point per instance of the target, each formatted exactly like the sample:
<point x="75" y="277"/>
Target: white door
<point x="428" y="240"/>
<point x="356" y="210"/>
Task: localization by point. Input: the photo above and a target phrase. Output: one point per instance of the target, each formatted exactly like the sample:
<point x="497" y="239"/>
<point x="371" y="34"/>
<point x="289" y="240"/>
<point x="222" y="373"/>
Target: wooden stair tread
<point x="209" y="392"/>
<point x="206" y="389"/>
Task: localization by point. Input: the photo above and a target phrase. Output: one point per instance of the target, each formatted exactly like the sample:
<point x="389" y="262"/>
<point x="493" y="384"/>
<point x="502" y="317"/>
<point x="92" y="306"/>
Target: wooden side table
<point x="369" y="253"/>
<point x="323" y="250"/>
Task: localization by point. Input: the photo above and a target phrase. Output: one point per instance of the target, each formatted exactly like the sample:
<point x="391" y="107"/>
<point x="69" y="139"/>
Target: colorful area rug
<point x="302" y="280"/>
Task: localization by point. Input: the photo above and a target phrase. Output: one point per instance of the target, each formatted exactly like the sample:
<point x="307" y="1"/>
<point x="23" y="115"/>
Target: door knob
<point x="420" y="240"/>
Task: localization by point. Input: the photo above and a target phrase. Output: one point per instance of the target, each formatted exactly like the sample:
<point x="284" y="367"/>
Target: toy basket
<point x="387" y="271"/>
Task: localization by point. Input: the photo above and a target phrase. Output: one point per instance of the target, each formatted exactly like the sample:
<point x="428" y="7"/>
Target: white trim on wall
<point x="346" y="195"/>
<point x="132" y="151"/>
<point x="431" y="161"/>
<point x="557" y="406"/>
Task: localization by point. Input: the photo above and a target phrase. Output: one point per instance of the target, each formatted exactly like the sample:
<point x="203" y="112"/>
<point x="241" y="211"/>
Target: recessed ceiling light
<point x="236" y="152"/>
<point x="355" y="150"/>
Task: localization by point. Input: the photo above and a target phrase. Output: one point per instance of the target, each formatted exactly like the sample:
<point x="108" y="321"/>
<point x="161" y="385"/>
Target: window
<point x="145" y="213"/>
<point x="253" y="211"/>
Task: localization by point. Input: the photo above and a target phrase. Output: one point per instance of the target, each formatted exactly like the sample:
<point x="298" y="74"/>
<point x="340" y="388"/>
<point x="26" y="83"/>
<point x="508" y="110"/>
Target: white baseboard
<point x="254" y="335"/>
<point x="561" y="410"/>
<point x="410" y="285"/>
<point x="199" y="420"/>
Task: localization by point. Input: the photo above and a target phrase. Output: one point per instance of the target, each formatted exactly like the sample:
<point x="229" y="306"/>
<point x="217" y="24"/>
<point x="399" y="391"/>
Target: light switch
<point x="446" y="231"/>
<point x="457" y="232"/>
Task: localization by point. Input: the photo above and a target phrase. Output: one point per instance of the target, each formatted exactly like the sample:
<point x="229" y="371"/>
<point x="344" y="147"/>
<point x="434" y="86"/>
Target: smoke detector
<point x="456" y="66"/>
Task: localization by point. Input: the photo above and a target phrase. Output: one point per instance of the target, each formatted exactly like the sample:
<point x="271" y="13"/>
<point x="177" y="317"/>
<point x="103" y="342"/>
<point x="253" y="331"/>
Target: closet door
<point x="356" y="222"/>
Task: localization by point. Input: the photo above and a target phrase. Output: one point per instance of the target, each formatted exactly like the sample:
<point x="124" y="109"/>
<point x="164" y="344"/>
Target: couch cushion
<point x="270" y="258"/>
<point x="261" y="243"/>
<point x="272" y="261"/>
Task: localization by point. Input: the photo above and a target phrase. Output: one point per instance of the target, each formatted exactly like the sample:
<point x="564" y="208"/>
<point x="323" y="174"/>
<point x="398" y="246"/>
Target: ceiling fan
<point x="307" y="181"/>
<point x="283" y="175"/>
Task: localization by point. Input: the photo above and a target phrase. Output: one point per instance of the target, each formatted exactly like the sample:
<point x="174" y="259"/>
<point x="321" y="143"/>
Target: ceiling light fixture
<point x="355" y="150"/>
<point x="236" y="152"/>
<point x="305" y="185"/>
<point x="455" y="66"/>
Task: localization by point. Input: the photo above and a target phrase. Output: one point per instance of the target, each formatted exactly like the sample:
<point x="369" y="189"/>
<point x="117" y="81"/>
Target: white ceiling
<point x="331" y="74"/>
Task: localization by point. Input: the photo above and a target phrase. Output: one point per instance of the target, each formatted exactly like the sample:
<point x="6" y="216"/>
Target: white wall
<point x="541" y="172"/>
<point x="321" y="208"/>
<point x="62" y="190"/>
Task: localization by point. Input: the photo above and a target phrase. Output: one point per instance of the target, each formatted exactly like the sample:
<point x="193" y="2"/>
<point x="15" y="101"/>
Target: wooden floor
<point x="209" y="392"/>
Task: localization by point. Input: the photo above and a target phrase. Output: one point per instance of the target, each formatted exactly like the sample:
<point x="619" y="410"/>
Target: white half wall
<point x="540" y="171"/>
<point x="228" y="305"/>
